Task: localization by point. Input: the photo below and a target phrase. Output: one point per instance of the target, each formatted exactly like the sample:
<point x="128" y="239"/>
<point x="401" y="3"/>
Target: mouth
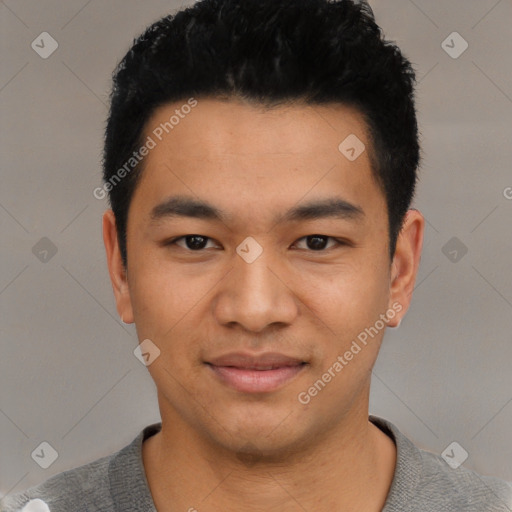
<point x="256" y="374"/>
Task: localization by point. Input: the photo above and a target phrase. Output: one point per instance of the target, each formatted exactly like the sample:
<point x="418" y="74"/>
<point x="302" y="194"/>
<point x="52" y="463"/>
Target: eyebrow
<point x="184" y="206"/>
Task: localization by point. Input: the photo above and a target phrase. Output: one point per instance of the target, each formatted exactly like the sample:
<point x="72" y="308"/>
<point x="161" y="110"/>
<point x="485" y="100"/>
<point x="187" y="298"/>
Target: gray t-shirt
<point x="423" y="482"/>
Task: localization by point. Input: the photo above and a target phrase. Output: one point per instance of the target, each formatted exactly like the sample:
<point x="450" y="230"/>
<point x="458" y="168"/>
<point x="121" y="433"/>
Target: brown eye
<point x="192" y="242"/>
<point x="318" y="242"/>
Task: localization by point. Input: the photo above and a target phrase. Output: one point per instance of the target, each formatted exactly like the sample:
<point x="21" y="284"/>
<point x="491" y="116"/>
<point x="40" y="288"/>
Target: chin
<point x="266" y="434"/>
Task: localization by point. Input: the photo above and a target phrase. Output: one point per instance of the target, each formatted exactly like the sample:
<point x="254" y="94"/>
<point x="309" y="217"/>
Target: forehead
<point x="239" y="127"/>
<point x="238" y="154"/>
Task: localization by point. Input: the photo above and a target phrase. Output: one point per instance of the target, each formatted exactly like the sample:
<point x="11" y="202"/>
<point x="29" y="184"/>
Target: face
<point x="258" y="264"/>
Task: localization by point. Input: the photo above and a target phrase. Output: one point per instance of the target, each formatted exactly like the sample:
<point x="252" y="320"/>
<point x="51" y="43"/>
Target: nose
<point x="256" y="295"/>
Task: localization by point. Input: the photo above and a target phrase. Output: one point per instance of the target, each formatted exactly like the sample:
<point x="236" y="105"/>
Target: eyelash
<point x="339" y="242"/>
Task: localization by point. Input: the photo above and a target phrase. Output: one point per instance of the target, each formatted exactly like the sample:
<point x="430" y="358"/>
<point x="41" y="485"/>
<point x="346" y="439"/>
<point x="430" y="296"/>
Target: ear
<point x="116" y="268"/>
<point x="405" y="263"/>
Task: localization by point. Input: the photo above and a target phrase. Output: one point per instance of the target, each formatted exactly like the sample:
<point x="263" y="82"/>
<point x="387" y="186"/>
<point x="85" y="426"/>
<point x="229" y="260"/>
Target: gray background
<point x="68" y="375"/>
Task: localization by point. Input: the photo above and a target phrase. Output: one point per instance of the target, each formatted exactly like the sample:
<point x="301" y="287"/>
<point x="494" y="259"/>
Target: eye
<point x="192" y="242"/>
<point x="318" y="242"/>
<point x="196" y="243"/>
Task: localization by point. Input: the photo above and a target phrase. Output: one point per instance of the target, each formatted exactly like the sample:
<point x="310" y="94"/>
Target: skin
<point x="221" y="449"/>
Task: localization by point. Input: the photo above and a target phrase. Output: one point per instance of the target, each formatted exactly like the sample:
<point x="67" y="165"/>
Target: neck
<point x="349" y="468"/>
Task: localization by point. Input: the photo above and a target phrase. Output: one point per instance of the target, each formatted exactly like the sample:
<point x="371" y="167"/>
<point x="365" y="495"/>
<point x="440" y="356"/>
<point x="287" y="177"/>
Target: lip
<point x="262" y="373"/>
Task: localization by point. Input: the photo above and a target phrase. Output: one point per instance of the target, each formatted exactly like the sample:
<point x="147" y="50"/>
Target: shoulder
<point x="463" y="488"/>
<point x="424" y="482"/>
<point x="83" y="489"/>
<point x="115" y="482"/>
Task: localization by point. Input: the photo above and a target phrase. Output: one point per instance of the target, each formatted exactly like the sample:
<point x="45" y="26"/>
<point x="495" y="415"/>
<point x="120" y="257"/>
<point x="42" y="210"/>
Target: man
<point x="260" y="159"/>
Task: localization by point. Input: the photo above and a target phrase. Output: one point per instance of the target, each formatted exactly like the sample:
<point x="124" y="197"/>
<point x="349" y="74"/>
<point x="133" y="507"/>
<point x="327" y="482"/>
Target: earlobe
<point x="394" y="325"/>
<point x="406" y="263"/>
<point x="117" y="270"/>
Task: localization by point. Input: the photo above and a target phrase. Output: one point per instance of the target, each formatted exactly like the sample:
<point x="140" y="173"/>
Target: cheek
<point x="347" y="315"/>
<point x="348" y="298"/>
<point x="159" y="298"/>
<point x="171" y="306"/>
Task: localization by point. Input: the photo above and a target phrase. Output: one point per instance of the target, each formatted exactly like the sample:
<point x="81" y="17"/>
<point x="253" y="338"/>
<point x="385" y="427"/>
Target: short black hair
<point x="269" y="52"/>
